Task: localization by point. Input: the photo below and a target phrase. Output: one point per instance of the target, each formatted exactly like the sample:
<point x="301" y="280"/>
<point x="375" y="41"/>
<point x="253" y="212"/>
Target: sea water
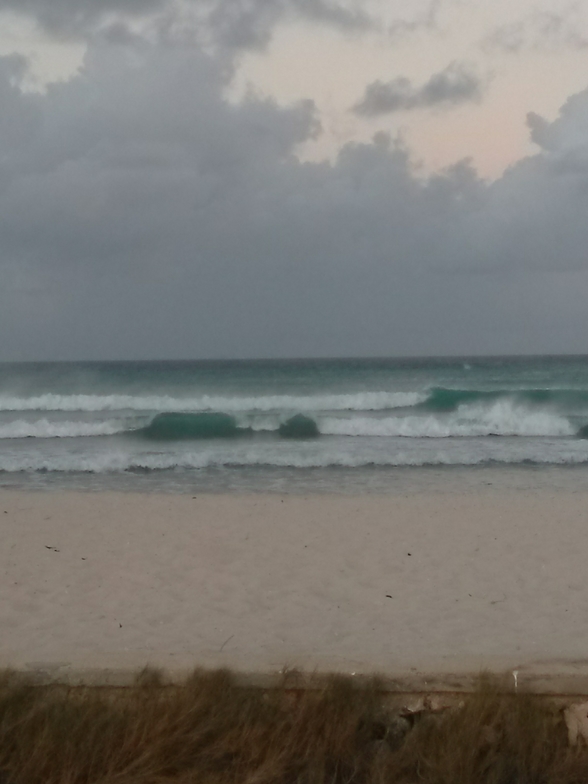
<point x="305" y="425"/>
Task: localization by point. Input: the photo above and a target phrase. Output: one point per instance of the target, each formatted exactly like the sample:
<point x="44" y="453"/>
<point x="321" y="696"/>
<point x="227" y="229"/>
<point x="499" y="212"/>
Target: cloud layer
<point x="540" y="31"/>
<point x="67" y="16"/>
<point x="233" y="24"/>
<point x="239" y="24"/>
<point x="454" y="85"/>
<point x="142" y="215"/>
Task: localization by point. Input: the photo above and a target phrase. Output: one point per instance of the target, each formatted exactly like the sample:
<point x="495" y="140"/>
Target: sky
<point x="292" y="178"/>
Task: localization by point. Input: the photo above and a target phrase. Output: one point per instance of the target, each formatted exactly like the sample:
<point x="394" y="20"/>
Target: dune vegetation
<point x="211" y="731"/>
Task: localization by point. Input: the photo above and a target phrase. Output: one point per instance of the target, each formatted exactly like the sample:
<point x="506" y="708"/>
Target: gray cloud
<point x="234" y="24"/>
<point x="566" y="139"/>
<point x="509" y="38"/>
<point x="426" y="21"/>
<point x="456" y="84"/>
<point x="541" y="130"/>
<point x="249" y="23"/>
<point x="70" y="16"/>
<point x="141" y="215"/>
<point x="540" y="31"/>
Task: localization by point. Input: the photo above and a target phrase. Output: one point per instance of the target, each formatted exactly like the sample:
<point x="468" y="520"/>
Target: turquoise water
<point x="286" y="423"/>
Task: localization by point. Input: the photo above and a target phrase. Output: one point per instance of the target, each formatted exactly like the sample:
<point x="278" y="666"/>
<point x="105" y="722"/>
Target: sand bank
<point x="442" y="582"/>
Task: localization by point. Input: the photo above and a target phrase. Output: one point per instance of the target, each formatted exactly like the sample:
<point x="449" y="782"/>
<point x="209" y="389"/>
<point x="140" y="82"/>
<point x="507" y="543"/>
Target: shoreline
<point x="425" y="588"/>
<point x="336" y="481"/>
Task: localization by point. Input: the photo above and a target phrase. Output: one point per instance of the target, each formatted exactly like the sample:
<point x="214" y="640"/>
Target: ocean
<point x="305" y="425"/>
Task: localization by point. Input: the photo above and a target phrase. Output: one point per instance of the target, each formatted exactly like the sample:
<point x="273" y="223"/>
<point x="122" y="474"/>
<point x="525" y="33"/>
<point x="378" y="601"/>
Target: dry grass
<point x="210" y="731"/>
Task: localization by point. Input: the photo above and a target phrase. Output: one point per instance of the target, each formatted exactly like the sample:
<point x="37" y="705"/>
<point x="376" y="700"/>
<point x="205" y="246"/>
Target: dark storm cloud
<point x="455" y="85"/>
<point x="141" y="215"/>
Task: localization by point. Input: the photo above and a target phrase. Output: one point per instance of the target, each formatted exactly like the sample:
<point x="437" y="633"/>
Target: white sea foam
<point x="112" y="462"/>
<point x="43" y="428"/>
<point x="361" y="401"/>
<point x="502" y="418"/>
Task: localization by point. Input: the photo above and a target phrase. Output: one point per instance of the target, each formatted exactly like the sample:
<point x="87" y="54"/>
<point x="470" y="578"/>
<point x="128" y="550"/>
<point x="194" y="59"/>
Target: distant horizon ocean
<point x="287" y="425"/>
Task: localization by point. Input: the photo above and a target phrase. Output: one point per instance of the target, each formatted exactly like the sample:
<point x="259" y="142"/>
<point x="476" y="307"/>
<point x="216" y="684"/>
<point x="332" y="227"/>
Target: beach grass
<point x="209" y="730"/>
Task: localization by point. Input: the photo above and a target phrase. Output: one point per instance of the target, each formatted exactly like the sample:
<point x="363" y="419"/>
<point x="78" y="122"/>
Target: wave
<point x="43" y="428"/>
<point x="177" y="426"/>
<point x="361" y="401"/>
<point x="501" y="419"/>
<point x="113" y="463"/>
<point x="180" y="426"/>
<point x="435" y="400"/>
<point x="299" y="426"/>
<point x="446" y="399"/>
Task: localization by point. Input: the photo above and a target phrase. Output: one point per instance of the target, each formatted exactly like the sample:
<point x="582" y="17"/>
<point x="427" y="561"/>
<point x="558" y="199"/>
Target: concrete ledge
<point x="544" y="678"/>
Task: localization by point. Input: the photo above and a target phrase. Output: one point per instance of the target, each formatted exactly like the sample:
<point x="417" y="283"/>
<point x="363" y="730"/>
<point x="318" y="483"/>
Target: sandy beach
<point x="257" y="582"/>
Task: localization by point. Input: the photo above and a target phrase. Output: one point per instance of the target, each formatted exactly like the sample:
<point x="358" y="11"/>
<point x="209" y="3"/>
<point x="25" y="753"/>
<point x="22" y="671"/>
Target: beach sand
<point x="389" y="583"/>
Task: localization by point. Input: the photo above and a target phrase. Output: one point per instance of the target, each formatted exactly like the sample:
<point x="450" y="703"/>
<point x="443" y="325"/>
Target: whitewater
<point x="266" y="421"/>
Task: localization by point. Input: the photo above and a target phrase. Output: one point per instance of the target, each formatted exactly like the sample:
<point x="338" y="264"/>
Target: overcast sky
<point x="292" y="178"/>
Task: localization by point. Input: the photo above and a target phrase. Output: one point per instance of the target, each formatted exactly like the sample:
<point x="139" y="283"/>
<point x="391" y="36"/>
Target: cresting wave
<point x="446" y="399"/>
<point x="180" y="426"/>
<point x="361" y="401"/>
<point x="43" y="428"/>
<point x="503" y="418"/>
<point x="435" y="399"/>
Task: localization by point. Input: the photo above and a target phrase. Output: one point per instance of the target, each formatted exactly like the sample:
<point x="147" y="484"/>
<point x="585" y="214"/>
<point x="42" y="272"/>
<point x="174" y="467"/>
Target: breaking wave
<point x="113" y="463"/>
<point x="361" y="401"/>
<point x="43" y="428"/>
<point x="444" y="399"/>
<point x="435" y="400"/>
<point x="503" y="418"/>
<point x="178" y="426"/>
